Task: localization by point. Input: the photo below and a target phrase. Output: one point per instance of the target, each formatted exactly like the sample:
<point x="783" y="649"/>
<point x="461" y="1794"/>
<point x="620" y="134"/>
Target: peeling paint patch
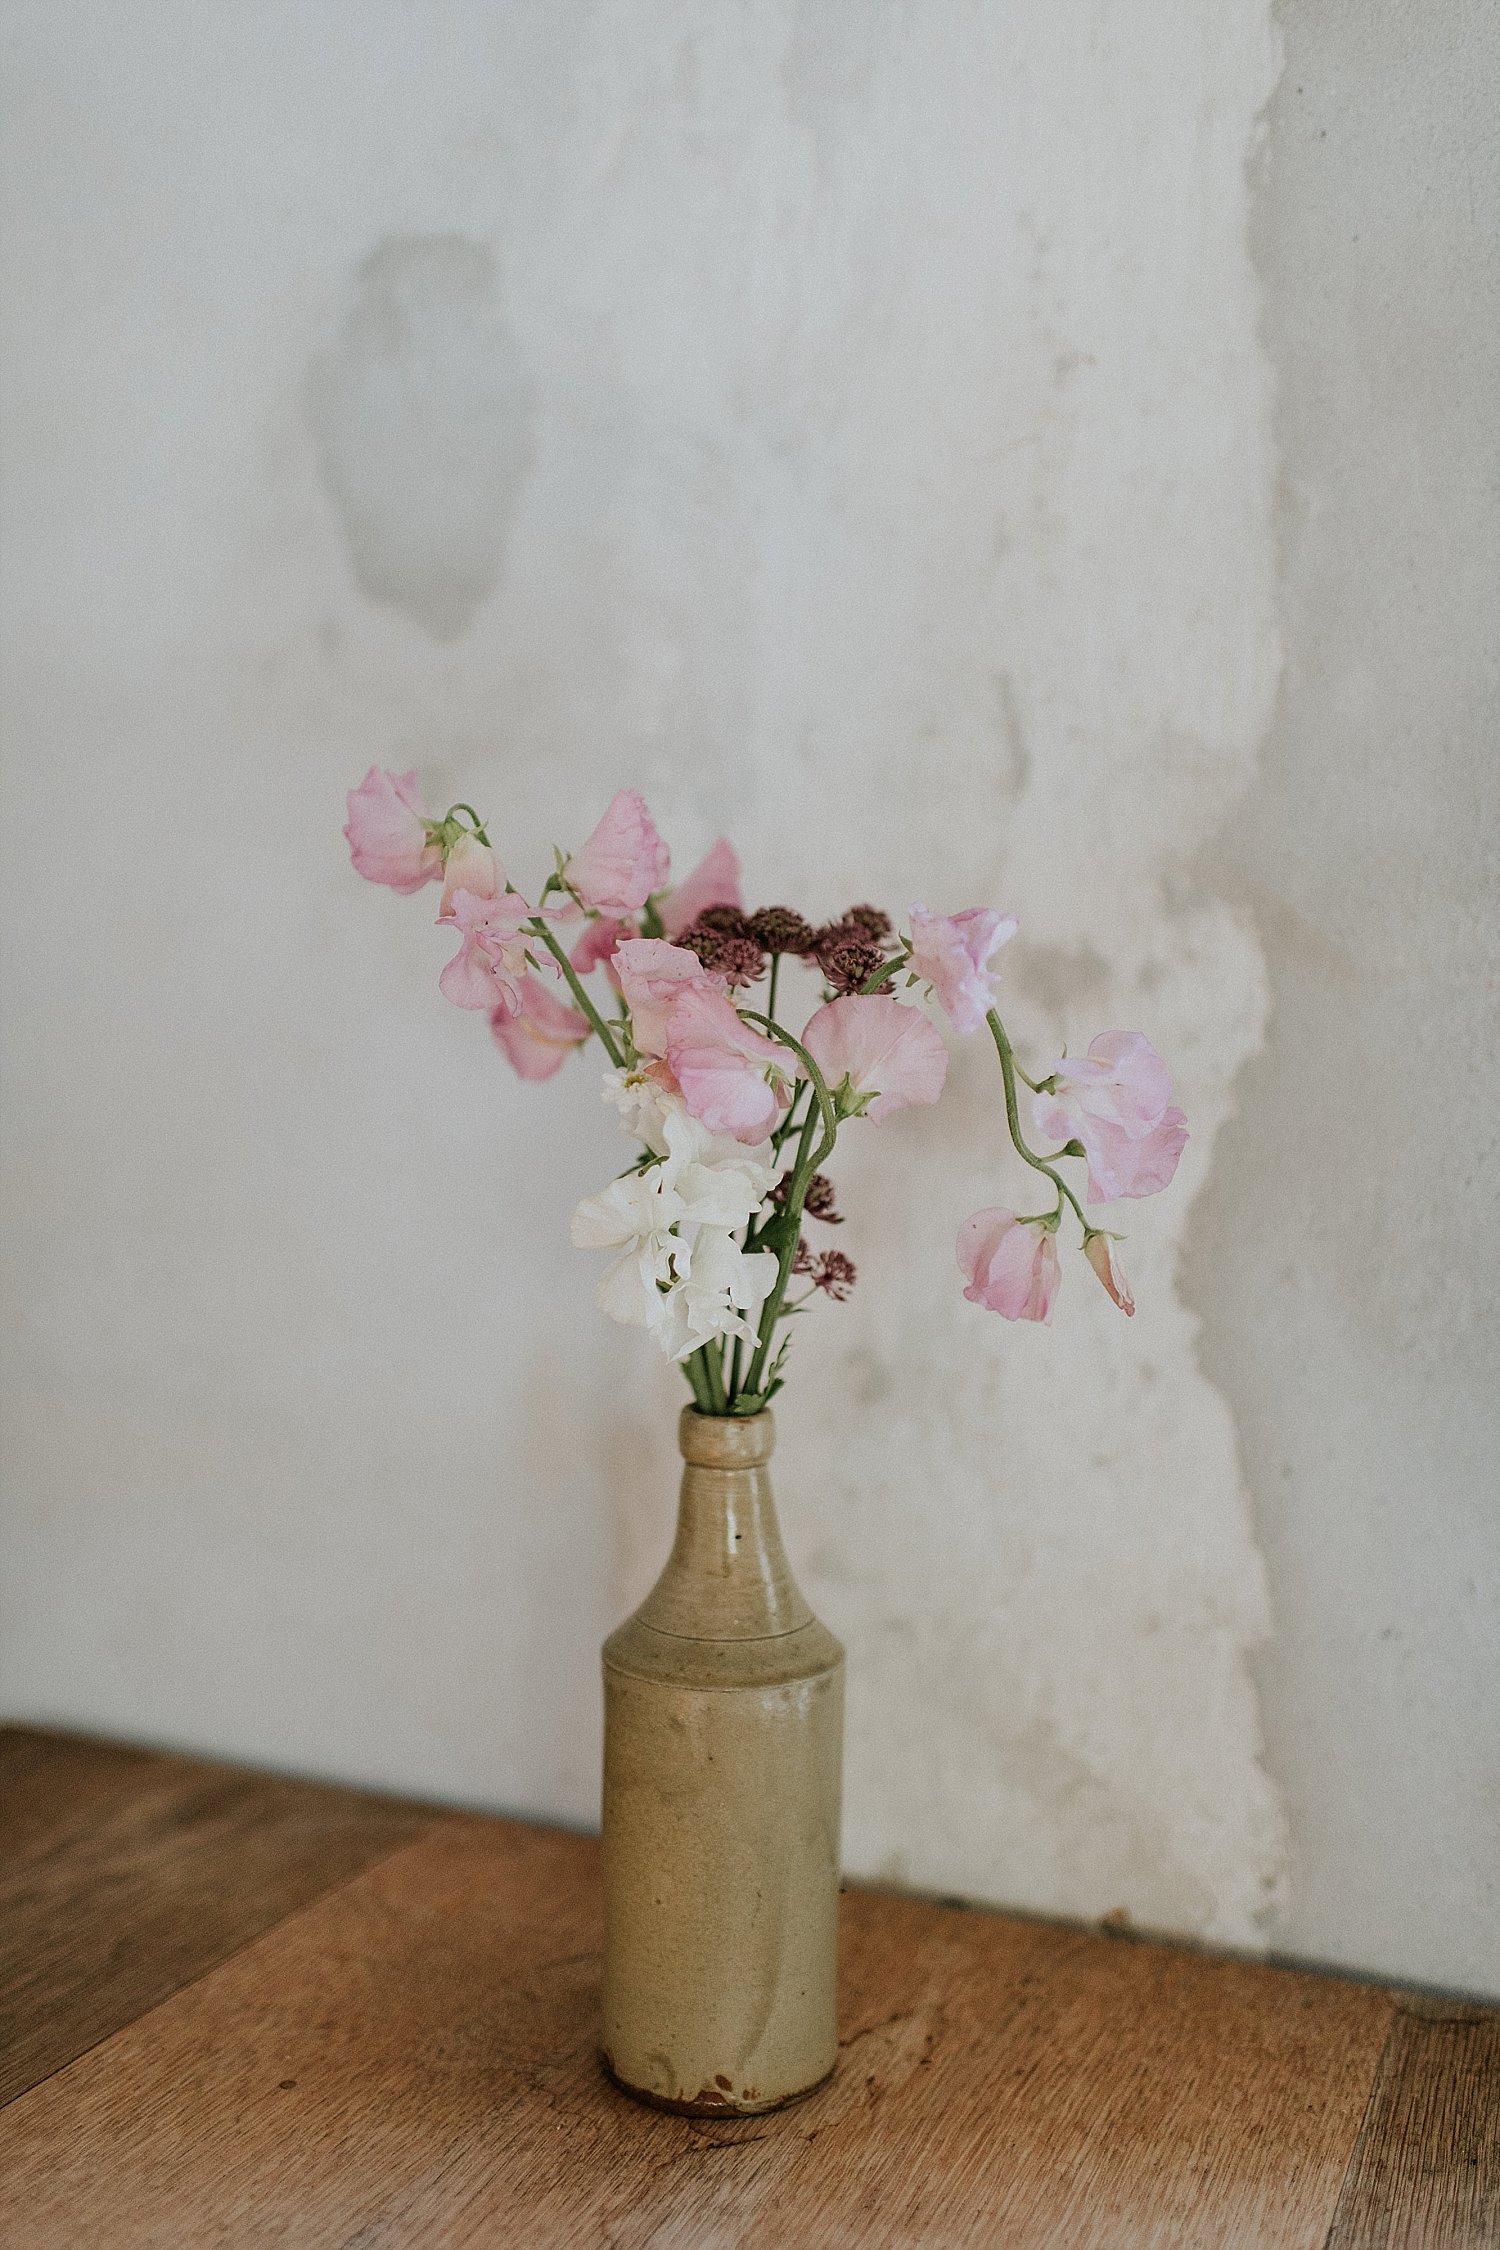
<point x="1011" y="288"/>
<point x="423" y="413"/>
<point x="1065" y="980"/>
<point x="1358" y="1337"/>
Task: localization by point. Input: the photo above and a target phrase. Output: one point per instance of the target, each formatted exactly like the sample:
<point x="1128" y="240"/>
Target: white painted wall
<point x="1345" y="1256"/>
<point x="855" y="427"/>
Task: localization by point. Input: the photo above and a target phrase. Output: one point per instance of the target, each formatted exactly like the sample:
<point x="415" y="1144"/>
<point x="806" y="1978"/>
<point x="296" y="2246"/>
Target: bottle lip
<point x="726" y="1441"/>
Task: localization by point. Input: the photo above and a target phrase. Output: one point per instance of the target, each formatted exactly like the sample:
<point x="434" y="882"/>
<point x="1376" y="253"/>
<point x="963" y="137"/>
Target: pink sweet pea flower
<point x="387" y="832"/>
<point x="618" y="867"/>
<point x="1099" y="1249"/>
<point x="731" y="1079"/>
<point x="538" y="1039"/>
<point x="486" y="970"/>
<point x="881" y="1054"/>
<point x="1117" y="1102"/>
<point x="598" y="943"/>
<point x="951" y="952"/>
<point x="1011" y="1265"/>
<point x="470" y="866"/>
<point x="715" y="881"/>
<point x="653" y="977"/>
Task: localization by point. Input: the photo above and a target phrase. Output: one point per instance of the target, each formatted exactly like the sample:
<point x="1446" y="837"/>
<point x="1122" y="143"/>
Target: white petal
<point x="599" y="1223"/>
<point x="715" y="1197"/>
<point x="756" y="1279"/>
<point x="616" y="1214"/>
<point x="686" y="1140"/>
<point x="628" y="1292"/>
<point x="685" y="1335"/>
<point x="643" y="1106"/>
<point x="724" y="1285"/>
<point x="762" y="1164"/>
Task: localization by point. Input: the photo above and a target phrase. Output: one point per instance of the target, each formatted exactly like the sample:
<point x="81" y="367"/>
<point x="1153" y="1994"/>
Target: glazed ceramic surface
<point x="722" y="1770"/>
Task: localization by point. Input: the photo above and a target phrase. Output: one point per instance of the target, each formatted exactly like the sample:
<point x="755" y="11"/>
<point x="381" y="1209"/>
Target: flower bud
<point x="470" y="866"/>
<point x="1099" y="1249"/>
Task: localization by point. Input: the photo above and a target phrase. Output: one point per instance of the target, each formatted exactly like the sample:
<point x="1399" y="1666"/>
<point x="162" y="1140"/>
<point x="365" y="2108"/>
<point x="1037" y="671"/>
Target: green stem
<point x="473" y="815"/>
<point x="792" y="1222"/>
<point x="815" y="1079"/>
<point x="713" y="1378"/>
<point x="694" y="1374"/>
<point x="883" y="975"/>
<point x="791" y="1123"/>
<point x="771" y="987"/>
<point x="808" y="1161"/>
<point x="538" y="928"/>
<point x="1008" y="1069"/>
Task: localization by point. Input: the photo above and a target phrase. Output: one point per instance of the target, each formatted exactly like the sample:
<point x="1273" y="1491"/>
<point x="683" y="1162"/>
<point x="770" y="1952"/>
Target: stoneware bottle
<point x="723" y="1741"/>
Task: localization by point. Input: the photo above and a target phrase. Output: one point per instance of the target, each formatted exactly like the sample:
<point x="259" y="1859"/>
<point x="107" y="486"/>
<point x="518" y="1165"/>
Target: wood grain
<point x="410" y="2060"/>
<point x="123" y="1873"/>
<point x="1426" y="2170"/>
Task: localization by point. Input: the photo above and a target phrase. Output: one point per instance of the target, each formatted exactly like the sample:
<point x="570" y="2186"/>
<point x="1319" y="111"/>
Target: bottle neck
<point x="727" y="1577"/>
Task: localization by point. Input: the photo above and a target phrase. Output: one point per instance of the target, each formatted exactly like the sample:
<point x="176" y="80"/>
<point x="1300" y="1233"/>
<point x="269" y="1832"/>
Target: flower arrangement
<point x="735" y="1114"/>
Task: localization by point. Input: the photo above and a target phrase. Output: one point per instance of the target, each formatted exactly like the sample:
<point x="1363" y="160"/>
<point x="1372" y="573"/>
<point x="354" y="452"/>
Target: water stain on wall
<point x="423" y="413"/>
<point x="1063" y="978"/>
<point x="1359" y="1367"/>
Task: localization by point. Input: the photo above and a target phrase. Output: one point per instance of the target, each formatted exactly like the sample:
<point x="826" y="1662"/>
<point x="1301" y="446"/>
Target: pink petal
<point x="1054" y="1121"/>
<point x="721" y="1065"/>
<point x="1046" y="1277"/>
<point x="1122" y="1079"/>
<point x="598" y="943"/>
<point x="1124" y="1164"/>
<point x="1100" y="1252"/>
<point x="471" y="866"/>
<point x="473" y="980"/>
<point x="498" y="916"/>
<point x="882" y="1046"/>
<point x="387" y="832"/>
<point x="484" y="971"/>
<point x="951" y="952"/>
<point x="715" y="881"/>
<point x="538" y="1037"/>
<point x="618" y="867"/>
<point x="653" y="976"/>
<point x="1116" y="1102"/>
<point x="1011" y="1265"/>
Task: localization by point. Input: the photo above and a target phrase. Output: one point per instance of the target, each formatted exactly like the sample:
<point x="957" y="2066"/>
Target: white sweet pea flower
<point x="637" y="1216"/>
<point x="681" y="1275"/>
<point x="659" y="1118"/>
<point x="719" y="1181"/>
<point x="720" y="1294"/>
<point x="724" y="1290"/>
<point x="643" y="1105"/>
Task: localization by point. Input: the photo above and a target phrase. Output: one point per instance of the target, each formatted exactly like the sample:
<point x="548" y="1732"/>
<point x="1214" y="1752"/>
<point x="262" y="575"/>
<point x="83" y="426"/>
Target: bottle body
<point x="722" y="1783"/>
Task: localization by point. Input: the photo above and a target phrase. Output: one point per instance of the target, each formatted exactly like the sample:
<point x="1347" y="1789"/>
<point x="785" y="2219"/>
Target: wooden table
<point x="236" y="2009"/>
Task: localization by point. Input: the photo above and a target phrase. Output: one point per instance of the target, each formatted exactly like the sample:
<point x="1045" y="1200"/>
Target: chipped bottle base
<point x="723" y="1747"/>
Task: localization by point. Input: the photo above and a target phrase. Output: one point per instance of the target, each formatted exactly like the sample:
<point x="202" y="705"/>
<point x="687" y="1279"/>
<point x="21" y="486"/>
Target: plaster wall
<point x="1345" y="1251"/>
<point x="854" y="427"/>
